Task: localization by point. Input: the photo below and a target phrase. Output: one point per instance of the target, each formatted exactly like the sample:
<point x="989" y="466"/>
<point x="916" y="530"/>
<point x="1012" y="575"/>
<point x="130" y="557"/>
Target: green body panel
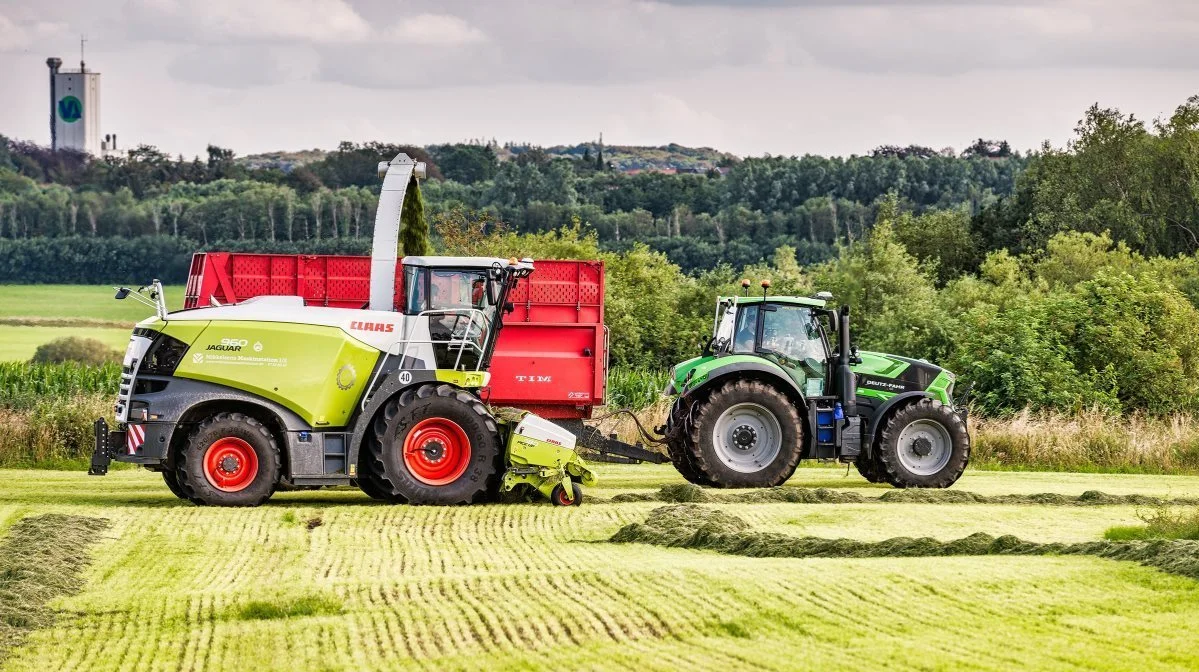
<point x="942" y="387"/>
<point x="698" y="368"/>
<point x="318" y="372"/>
<point x="876" y="364"/>
<point x="879" y="364"/>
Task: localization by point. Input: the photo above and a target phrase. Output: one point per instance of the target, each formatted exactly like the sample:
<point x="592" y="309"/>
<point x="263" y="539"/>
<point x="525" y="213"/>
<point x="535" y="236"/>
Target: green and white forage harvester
<point x="771" y="389"/>
<point x="230" y="403"/>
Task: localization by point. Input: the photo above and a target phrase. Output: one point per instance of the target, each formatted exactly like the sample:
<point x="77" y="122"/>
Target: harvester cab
<point x="231" y="402"/>
<point x="773" y="388"/>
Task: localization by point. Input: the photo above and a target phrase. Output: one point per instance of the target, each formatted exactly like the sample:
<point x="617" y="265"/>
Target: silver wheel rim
<point x="747" y="438"/>
<point x="924" y="447"/>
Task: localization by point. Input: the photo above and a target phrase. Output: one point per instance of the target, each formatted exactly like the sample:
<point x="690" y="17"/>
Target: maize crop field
<point x="1005" y="571"/>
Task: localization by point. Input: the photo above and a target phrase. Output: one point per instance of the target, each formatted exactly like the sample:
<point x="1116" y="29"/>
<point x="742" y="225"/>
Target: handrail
<point x="451" y="343"/>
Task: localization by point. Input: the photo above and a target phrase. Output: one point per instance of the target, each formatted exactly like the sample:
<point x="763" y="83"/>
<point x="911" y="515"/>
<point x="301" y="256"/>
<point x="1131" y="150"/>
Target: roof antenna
<point x="82" y="42"/>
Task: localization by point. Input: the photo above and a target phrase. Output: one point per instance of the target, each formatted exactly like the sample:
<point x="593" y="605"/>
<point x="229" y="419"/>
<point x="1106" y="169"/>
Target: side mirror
<point x="493" y="292"/>
<point x="834" y="320"/>
<point x="509" y="308"/>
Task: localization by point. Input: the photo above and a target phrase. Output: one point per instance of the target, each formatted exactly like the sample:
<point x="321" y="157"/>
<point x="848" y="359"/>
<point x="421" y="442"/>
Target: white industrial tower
<point x="75" y="109"/>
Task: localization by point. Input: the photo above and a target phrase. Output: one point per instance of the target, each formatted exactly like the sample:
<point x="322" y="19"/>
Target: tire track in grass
<point x="42" y="558"/>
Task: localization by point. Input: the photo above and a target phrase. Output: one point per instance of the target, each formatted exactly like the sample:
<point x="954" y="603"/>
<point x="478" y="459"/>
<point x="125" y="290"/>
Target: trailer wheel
<point x="434" y="444"/>
<point x="230" y="459"/>
<point x="746" y="435"/>
<point x="172" y="480"/>
<point x="923" y="445"/>
<point x="558" y="495"/>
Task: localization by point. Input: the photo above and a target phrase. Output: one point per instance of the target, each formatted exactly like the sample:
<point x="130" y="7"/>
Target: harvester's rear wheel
<point x="745" y="435"/>
<point x="230" y="459"/>
<point x="923" y="445"/>
<point x="172" y="480"/>
<point x="433" y="444"/>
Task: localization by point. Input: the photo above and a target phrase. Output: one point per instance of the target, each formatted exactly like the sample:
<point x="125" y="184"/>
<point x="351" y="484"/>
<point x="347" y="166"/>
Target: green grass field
<point x="73" y="310"/>
<point x="19" y="343"/>
<point x="530" y="586"/>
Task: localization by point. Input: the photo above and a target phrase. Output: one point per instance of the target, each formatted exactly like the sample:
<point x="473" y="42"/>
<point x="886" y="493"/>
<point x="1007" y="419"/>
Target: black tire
<point x="869" y="468"/>
<point x="704" y="457"/>
<point x="384" y="465"/>
<point x="558" y="495"/>
<point x="924" y="410"/>
<point x="677" y="446"/>
<point x="198" y="486"/>
<point x="172" y="480"/>
<point x="372" y="489"/>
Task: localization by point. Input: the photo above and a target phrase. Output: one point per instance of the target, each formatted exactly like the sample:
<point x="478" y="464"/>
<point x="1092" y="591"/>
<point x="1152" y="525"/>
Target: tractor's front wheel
<point x="745" y="435"/>
<point x="433" y="444"/>
<point x="923" y="445"/>
<point x="230" y="459"/>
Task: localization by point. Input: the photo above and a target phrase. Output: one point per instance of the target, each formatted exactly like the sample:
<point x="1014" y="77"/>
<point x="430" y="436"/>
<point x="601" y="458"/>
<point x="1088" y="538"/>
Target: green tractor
<point x="771" y="389"/>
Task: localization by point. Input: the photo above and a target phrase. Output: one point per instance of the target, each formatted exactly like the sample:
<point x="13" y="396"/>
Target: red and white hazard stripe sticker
<point x="135" y="436"/>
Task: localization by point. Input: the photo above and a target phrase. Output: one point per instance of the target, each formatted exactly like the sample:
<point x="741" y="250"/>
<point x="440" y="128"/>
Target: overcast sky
<point x="750" y="76"/>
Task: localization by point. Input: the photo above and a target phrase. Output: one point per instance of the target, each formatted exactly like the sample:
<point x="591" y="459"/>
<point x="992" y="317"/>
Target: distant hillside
<point x="666" y="158"/>
<point x="672" y="157"/>
<point x="286" y="161"/>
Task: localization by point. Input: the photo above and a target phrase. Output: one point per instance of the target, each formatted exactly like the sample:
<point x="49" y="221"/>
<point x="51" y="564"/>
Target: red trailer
<point x="552" y="354"/>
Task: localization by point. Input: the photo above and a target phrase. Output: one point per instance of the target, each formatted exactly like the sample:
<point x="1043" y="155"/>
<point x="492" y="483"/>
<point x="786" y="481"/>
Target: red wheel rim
<point x="562" y="496"/>
<point x="436" y="451"/>
<point x="230" y="464"/>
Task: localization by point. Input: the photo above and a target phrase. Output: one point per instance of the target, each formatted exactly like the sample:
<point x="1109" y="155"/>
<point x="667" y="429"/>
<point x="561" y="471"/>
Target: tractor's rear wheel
<point x="923" y="445"/>
<point x="433" y="444"/>
<point x="745" y="435"/>
<point x="230" y="459"/>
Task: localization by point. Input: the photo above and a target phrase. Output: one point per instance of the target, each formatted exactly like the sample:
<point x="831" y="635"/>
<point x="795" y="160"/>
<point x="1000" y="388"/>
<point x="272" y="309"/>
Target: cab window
<point x="746" y="330"/>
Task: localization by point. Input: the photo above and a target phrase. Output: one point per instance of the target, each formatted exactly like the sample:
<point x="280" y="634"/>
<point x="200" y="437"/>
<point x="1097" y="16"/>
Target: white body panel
<point x="539" y="428"/>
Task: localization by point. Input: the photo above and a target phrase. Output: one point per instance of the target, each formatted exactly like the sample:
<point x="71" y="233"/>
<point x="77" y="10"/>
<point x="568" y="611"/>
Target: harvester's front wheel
<point x="434" y="444"/>
<point x="923" y="445"/>
<point x="745" y="435"/>
<point x="558" y="495"/>
<point x="230" y="459"/>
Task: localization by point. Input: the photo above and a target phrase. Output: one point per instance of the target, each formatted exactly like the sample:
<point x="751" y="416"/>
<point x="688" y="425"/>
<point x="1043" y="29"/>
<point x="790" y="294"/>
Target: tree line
<point x="736" y="214"/>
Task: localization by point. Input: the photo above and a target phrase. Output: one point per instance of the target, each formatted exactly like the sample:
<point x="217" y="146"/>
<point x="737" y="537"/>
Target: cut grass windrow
<point x="683" y="493"/>
<point x="41" y="559"/>
<point x="697" y="527"/>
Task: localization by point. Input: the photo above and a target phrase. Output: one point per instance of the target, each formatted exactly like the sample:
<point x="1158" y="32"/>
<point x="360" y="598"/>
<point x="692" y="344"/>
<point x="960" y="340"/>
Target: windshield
<point x="458" y="308"/>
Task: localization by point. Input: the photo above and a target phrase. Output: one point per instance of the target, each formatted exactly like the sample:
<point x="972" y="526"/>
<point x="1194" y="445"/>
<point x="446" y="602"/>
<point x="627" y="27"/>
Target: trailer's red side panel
<point x="551" y="356"/>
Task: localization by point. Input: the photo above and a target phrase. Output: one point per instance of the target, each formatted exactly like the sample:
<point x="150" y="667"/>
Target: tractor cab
<point x="784" y="330"/>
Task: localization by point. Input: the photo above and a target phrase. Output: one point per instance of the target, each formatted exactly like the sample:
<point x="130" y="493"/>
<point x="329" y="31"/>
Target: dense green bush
<point x="74" y="349"/>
